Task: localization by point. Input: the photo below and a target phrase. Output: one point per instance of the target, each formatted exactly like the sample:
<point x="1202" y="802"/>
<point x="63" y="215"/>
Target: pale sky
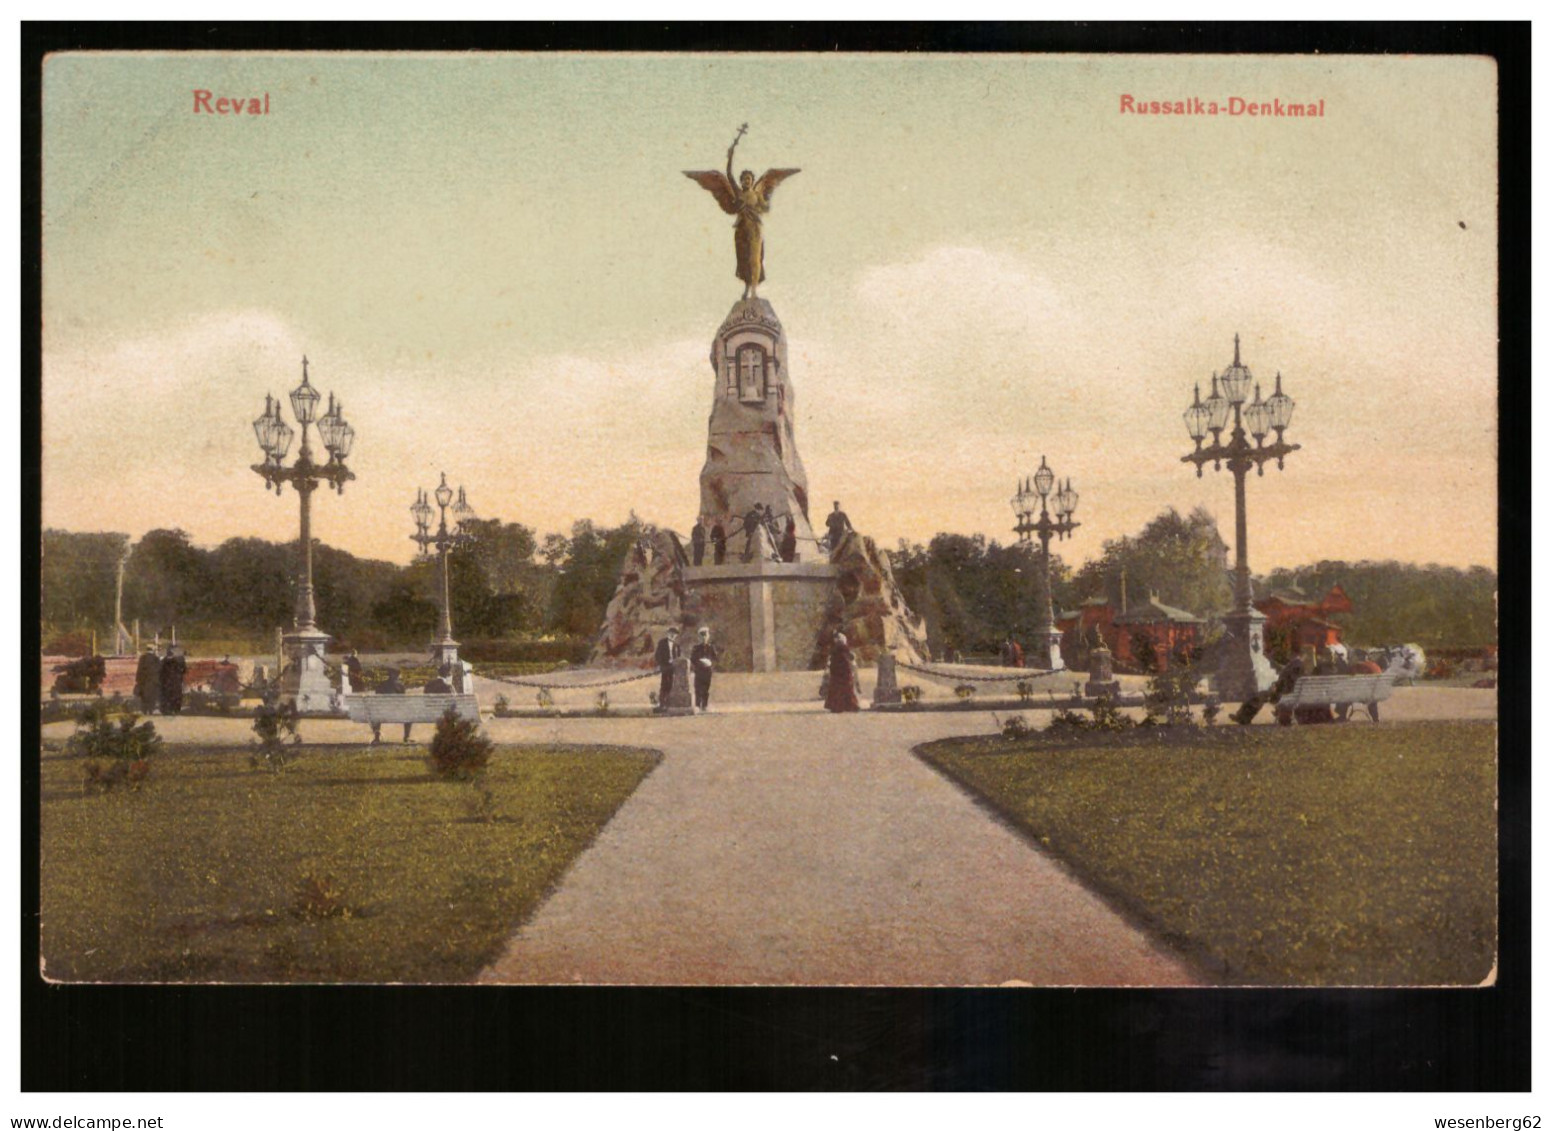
<point x="497" y="265"/>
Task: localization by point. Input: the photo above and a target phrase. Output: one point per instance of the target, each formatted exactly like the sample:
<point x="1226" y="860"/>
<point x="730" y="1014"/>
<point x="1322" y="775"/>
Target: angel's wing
<point x="773" y="177"/>
<point x="715" y="182"/>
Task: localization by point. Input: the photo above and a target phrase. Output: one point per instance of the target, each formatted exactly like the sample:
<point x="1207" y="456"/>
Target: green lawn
<point x="353" y="865"/>
<point x="1321" y="855"/>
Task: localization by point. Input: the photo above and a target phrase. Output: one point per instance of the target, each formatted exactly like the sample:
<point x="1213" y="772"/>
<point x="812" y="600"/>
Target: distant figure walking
<point x="665" y="655"/>
<point x="838" y="526"/>
<point x="173" y="667"/>
<point x="698" y="541"/>
<point x="148" y="681"/>
<point x="703" y="661"/>
<point x="718" y="544"/>
<point x="841" y="693"/>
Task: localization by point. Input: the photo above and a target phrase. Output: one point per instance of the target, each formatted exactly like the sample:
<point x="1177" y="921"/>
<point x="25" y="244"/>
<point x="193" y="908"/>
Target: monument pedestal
<point x="1243" y="669"/>
<point x="679" y="701"/>
<point x="764" y="614"/>
<point x="886" y="690"/>
<point x="1102" y="681"/>
<point x="305" y="682"/>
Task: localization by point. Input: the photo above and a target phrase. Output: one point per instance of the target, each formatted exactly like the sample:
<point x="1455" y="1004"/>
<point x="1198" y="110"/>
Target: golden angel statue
<point x="748" y="200"/>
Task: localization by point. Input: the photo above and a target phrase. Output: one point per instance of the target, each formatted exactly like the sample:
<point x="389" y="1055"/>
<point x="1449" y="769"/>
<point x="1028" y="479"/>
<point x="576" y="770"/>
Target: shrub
<point x="275" y="724"/>
<point x="1108" y="717"/>
<point x="545" y="700"/>
<point x="1065" y="722"/>
<point x="1014" y="728"/>
<point x="1169" y="694"/>
<point x="458" y="750"/>
<point x="97" y="735"/>
<point x="1210" y="710"/>
<point x="964" y="692"/>
<point x="603" y="702"/>
<point x="910" y="693"/>
<point x="1026" y="690"/>
<point x="503" y="705"/>
<point x="210" y="703"/>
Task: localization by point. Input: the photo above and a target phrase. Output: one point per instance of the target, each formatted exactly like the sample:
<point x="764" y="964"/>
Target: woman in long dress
<point x="842" y="692"/>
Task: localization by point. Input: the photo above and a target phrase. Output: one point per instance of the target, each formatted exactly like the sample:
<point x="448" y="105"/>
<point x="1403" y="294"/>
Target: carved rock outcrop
<point x="868" y="607"/>
<point x="650" y="597"/>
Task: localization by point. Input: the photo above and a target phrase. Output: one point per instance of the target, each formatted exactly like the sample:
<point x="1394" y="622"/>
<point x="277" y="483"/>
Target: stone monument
<point x="777" y="598"/>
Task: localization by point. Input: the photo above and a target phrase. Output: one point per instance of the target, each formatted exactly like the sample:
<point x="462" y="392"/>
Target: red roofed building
<point x="1165" y="628"/>
<point x="1294" y="622"/>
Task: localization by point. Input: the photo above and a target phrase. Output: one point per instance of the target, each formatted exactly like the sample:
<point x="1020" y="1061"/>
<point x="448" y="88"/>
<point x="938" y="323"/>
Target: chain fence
<point x="1024" y="674"/>
<point x="544" y="686"/>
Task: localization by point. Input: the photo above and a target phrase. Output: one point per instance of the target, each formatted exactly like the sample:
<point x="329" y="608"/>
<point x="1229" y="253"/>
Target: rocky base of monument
<point x="868" y="607"/>
<point x="650" y="597"/>
<point x="765" y="616"/>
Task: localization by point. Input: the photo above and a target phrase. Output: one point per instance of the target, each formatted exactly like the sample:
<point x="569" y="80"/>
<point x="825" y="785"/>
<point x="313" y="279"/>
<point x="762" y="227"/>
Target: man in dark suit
<point x="703" y="661"/>
<point x="837" y="526"/>
<point x="173" y="668"/>
<point x="667" y="652"/>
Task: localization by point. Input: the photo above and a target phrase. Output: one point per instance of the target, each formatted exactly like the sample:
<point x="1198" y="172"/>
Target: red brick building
<point x="1164" y="627"/>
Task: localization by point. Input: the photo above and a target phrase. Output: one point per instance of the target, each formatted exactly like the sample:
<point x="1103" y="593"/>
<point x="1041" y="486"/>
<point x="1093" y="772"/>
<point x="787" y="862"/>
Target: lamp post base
<point x="444" y="654"/>
<point x="305" y="682"/>
<point x="1045" y="651"/>
<point x="1243" y="670"/>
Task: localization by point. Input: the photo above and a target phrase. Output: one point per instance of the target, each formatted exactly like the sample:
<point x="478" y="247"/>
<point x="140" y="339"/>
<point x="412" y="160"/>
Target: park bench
<point x="1339" y="691"/>
<point x="375" y="710"/>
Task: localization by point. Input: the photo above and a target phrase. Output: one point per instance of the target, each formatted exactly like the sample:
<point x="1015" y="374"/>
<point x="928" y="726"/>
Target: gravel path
<point x="814" y="850"/>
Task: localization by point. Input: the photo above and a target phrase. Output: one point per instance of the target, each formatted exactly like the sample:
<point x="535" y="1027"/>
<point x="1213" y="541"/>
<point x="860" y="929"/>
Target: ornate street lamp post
<point x="1243" y="670"/>
<point x="445" y="649"/>
<point x="1046" y="648"/>
<point x="304" y="681"/>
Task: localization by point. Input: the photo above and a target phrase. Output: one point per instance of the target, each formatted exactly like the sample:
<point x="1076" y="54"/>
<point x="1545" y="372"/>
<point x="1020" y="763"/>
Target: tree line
<point x="510" y="583"/>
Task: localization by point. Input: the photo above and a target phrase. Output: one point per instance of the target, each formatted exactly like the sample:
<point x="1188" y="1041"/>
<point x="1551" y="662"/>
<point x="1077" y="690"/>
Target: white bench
<point x="375" y="710"/>
<point x="1340" y="691"/>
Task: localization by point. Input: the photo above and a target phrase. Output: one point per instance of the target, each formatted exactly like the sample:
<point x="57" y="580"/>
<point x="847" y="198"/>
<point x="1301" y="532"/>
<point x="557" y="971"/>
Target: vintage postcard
<point x="769" y="519"/>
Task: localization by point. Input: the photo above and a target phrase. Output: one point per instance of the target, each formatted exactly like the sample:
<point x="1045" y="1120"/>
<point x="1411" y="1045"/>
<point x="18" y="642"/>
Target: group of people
<point x="159" y="680"/>
<point x="781" y="533"/>
<point x="841" y="689"/>
<point x="703" y="662"/>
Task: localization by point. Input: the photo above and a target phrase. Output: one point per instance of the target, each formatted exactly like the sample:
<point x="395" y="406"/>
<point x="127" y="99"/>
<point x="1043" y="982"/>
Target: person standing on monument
<point x="698" y="540"/>
<point x="789" y="540"/>
<point x="148" y="681"/>
<point x="703" y="661"/>
<point x="718" y="544"/>
<point x="665" y="655"/>
<point x="838" y="526"/>
<point x="753" y="521"/>
<point x="841" y="691"/>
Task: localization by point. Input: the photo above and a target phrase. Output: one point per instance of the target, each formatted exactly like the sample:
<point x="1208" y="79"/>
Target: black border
<point x="484" y="1039"/>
